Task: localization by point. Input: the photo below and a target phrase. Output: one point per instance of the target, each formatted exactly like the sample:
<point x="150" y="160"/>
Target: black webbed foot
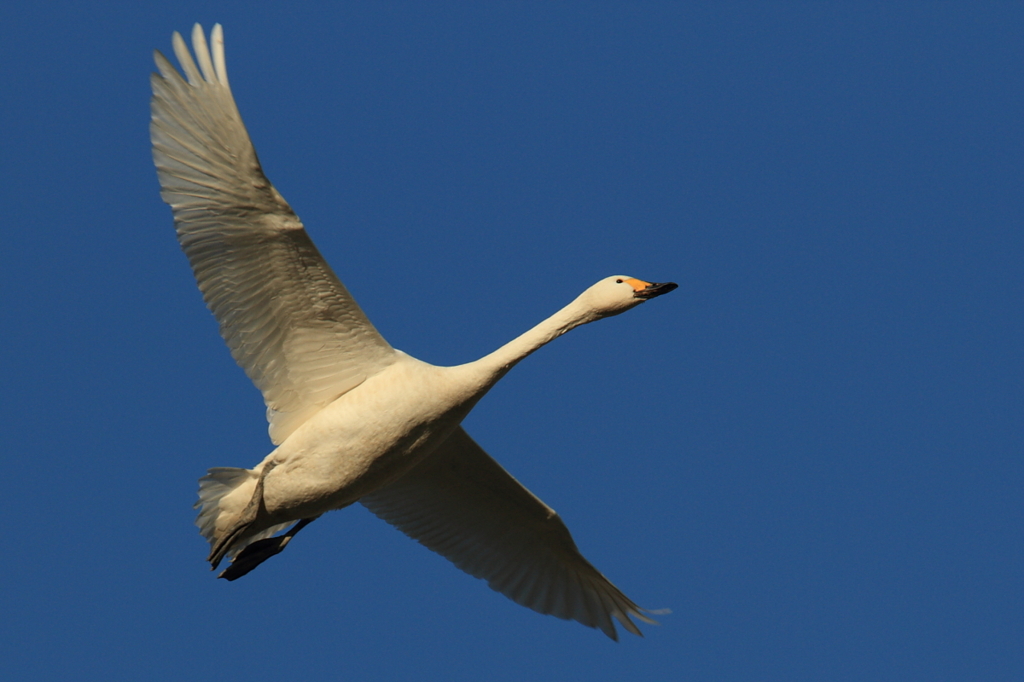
<point x="259" y="551"/>
<point x="254" y="555"/>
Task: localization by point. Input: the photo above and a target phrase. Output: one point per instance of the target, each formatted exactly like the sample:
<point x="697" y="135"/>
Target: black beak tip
<point x="656" y="289"/>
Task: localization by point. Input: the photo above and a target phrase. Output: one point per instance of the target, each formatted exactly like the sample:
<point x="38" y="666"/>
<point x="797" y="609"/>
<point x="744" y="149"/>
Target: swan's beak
<point x="655" y="289"/>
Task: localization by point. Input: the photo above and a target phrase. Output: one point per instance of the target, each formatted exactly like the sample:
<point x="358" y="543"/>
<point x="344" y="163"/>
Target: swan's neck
<point x="505" y="358"/>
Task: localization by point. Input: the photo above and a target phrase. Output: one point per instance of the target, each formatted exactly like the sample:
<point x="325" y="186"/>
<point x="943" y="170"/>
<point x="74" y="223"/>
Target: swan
<point x="352" y="419"/>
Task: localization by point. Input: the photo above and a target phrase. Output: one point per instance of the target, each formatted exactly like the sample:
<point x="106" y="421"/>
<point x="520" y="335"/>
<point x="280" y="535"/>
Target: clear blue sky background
<point x="811" y="452"/>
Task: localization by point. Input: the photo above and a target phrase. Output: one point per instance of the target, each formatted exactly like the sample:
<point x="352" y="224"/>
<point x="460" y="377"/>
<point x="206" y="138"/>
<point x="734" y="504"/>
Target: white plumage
<point x="353" y="418"/>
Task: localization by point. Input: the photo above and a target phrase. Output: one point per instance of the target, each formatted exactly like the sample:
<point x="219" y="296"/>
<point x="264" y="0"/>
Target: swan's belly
<point x="361" y="442"/>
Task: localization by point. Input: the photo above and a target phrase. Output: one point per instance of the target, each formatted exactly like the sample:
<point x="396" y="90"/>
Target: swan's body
<point x="352" y="418"/>
<point x="359" y="443"/>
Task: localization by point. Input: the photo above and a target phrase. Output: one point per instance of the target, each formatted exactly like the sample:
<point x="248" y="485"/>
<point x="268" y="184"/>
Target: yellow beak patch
<point x="637" y="284"/>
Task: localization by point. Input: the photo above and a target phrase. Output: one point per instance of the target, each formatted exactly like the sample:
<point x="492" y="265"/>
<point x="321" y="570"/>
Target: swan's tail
<point x="223" y="493"/>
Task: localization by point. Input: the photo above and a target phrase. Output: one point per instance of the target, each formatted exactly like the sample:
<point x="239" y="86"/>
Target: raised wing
<point x="462" y="504"/>
<point x="288" y="320"/>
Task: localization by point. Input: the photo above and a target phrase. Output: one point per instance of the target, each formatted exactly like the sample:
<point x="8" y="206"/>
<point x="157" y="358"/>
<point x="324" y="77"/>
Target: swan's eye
<point x="618" y="281"/>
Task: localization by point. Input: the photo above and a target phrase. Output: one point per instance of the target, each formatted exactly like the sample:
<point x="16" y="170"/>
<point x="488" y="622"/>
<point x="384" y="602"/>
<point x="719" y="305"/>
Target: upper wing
<point x="288" y="320"/>
<point x="463" y="505"/>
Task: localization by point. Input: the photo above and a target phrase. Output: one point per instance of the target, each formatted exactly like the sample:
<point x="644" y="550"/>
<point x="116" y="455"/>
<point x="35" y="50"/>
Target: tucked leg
<point x="261" y="550"/>
<point x="245" y="519"/>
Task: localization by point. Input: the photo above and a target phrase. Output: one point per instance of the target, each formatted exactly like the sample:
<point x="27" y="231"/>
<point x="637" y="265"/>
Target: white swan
<point x="353" y="419"/>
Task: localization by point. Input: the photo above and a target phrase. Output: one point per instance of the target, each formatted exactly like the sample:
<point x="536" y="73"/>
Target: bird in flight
<point x="352" y="419"/>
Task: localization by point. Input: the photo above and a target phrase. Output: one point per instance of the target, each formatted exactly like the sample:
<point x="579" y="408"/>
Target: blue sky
<point x="811" y="451"/>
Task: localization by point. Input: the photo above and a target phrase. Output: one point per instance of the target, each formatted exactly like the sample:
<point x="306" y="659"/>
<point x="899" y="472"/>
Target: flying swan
<point x="353" y="419"/>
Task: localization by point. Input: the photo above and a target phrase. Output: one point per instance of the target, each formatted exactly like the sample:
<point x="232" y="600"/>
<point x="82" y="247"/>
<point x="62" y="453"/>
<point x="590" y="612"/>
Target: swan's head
<point x="619" y="293"/>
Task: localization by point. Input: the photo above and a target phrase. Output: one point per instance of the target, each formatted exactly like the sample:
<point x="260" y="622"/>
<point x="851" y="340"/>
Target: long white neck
<point x="505" y="358"/>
